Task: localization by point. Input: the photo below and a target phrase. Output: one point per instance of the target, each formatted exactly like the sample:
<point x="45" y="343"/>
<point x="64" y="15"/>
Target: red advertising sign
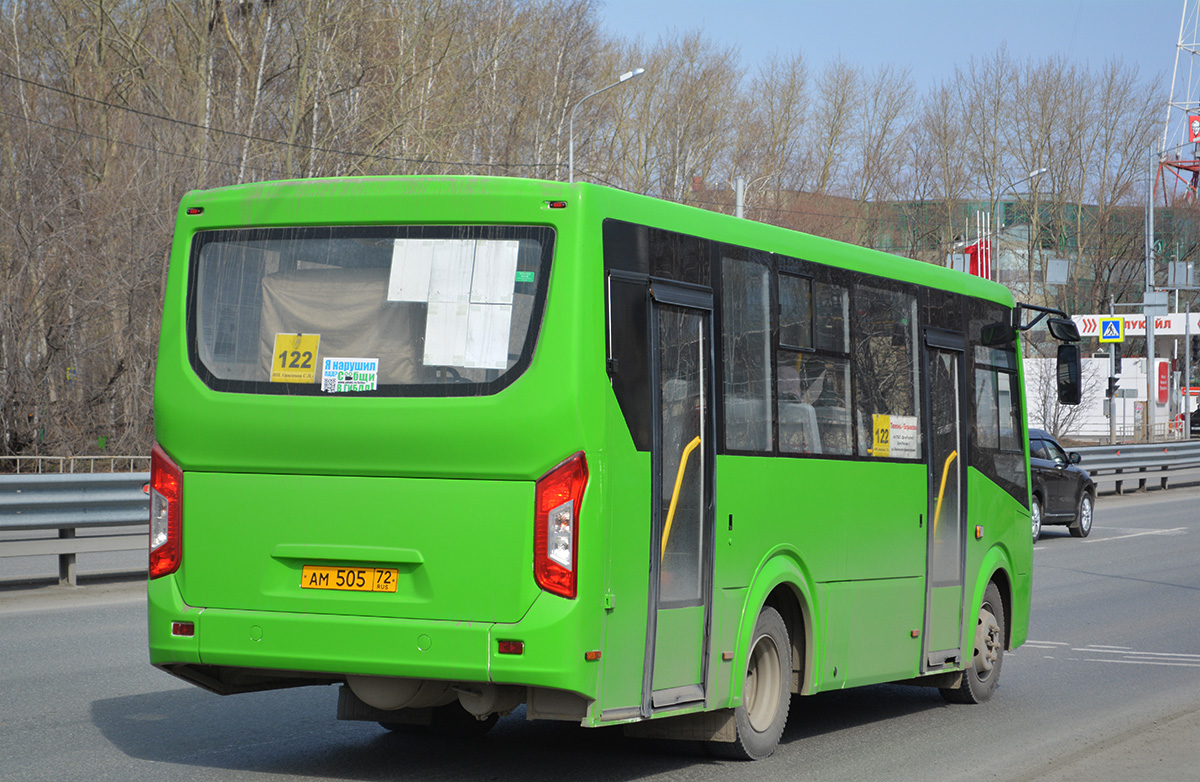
<point x="1193" y="128"/>
<point x="1163" y="368"/>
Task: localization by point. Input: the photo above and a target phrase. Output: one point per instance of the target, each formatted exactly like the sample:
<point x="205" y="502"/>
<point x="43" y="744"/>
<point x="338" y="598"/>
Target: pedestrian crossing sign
<point x="1112" y="330"/>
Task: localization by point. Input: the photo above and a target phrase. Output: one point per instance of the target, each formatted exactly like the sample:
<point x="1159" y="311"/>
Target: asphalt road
<point x="1108" y="689"/>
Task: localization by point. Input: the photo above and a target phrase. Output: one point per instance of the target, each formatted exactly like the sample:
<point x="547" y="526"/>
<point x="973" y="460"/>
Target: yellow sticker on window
<point x="295" y="358"/>
<point x="881" y="447"/>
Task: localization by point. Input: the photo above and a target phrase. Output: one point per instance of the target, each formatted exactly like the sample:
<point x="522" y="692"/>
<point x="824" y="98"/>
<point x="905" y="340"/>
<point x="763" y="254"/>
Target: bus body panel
<point x="459" y="548"/>
<point x="271" y="480"/>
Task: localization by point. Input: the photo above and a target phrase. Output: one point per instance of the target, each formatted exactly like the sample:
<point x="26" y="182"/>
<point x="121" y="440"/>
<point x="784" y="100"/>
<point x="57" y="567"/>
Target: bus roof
<point x="465" y="198"/>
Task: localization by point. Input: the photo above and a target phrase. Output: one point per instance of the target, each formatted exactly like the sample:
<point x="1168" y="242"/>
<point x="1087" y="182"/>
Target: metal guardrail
<point x="68" y="504"/>
<point x="1139" y="460"/>
<point x="72" y="464"/>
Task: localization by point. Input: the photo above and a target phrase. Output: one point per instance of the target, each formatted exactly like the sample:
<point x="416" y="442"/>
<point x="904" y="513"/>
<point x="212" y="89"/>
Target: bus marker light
<point x="727" y="656"/>
<point x="916" y="633"/>
<point x="184" y="629"/>
<point x="978" y="532"/>
<point x="512" y="647"/>
<point x="195" y="210"/>
<point x="557" y="204"/>
<point x="592" y="656"/>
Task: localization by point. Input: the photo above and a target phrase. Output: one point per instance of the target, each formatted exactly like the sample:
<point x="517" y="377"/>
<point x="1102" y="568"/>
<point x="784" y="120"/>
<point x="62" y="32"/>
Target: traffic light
<point x="1112" y="387"/>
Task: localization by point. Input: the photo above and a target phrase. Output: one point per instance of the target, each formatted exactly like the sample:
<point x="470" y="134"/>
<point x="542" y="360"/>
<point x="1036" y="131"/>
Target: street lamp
<point x="996" y="219"/>
<point x="624" y="77"/>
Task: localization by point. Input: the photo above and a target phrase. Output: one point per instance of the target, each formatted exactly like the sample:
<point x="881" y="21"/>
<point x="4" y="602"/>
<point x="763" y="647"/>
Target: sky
<point x="930" y="37"/>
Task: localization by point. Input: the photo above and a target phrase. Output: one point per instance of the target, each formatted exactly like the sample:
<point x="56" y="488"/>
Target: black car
<point x="1063" y="493"/>
<point x="1195" y="422"/>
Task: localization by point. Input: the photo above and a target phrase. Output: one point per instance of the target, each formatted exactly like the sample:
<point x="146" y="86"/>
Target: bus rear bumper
<point x="243" y="650"/>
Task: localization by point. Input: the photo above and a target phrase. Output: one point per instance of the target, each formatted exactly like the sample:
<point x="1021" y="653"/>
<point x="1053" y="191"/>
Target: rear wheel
<point x="1083" y="519"/>
<point x="766" y="695"/>
<point x="980" y="678"/>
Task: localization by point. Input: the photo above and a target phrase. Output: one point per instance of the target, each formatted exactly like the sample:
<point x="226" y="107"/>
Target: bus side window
<point x="746" y="338"/>
<point x="887" y="371"/>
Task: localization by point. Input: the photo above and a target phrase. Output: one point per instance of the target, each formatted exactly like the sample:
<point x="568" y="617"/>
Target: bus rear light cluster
<point x="556" y="526"/>
<point x="166" y="514"/>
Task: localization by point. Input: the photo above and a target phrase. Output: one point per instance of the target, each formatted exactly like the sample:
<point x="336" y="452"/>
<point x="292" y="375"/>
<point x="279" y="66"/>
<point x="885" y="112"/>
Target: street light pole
<point x="624" y="77"/>
<point x="995" y="232"/>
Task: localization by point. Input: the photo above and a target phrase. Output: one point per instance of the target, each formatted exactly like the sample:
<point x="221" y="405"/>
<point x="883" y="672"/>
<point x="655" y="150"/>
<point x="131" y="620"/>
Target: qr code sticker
<point x="329" y="383"/>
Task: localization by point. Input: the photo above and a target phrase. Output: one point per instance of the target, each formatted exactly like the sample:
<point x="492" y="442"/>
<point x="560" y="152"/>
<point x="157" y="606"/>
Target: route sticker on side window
<point x="340" y="375"/>
<point x="295" y="358"/>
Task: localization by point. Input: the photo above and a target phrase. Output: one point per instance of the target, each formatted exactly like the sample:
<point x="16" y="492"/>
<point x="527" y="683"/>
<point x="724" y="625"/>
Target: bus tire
<point x="767" y="693"/>
<point x="981" y="676"/>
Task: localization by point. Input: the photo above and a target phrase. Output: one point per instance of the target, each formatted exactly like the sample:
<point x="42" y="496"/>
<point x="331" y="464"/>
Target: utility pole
<point x="1151" y="375"/>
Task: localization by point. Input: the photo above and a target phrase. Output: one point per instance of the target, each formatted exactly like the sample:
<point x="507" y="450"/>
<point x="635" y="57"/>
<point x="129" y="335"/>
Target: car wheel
<point x="767" y="693"/>
<point x="981" y="676"/>
<point x="1035" y="514"/>
<point x="1083" y="519"/>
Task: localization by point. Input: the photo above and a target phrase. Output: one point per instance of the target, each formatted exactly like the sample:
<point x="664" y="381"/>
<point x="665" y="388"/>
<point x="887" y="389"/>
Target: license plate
<point x="351" y="579"/>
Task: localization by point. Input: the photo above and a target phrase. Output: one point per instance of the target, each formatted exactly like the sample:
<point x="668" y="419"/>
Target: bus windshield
<point x="375" y="311"/>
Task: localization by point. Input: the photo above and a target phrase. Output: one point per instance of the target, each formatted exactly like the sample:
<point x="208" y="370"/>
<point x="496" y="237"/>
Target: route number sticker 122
<point x="295" y="358"/>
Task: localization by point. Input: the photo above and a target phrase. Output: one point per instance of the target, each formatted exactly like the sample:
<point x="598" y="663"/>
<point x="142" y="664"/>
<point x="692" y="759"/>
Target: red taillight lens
<point x="556" y="526"/>
<point x="166" y="514"/>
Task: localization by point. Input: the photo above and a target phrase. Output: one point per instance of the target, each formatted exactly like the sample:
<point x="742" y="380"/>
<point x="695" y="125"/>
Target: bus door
<point x="945" y="360"/>
<point x="682" y="455"/>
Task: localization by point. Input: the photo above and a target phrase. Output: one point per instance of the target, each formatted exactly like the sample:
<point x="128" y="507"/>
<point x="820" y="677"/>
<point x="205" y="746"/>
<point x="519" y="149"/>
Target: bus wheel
<point x="766" y="695"/>
<point x="980" y="678"/>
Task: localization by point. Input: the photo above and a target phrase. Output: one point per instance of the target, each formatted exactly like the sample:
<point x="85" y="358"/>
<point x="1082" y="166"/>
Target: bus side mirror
<point x="1063" y="329"/>
<point x="1070" y="371"/>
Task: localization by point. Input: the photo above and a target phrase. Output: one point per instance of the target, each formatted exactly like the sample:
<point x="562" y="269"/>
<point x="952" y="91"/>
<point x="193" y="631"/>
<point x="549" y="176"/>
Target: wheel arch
<point x="996" y="567"/>
<point x="783" y="582"/>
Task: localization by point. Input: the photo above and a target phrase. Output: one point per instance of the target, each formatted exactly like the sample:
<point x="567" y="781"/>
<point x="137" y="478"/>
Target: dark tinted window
<point x="886" y="370"/>
<point x="995" y="444"/>
<point x="746" y="348"/>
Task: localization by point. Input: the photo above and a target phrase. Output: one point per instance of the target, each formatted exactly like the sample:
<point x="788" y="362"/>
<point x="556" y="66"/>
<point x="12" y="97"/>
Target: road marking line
<point x="1137" y="662"/>
<point x="1175" y="531"/>
<point x="1132" y="653"/>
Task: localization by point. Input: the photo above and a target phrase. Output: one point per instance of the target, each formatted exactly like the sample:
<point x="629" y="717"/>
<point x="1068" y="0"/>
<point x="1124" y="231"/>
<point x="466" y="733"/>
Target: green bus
<point x="461" y="444"/>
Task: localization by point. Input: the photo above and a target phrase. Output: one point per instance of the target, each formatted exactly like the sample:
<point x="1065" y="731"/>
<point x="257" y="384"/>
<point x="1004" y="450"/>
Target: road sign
<point x="1174" y="324"/>
<point x="1112" y="329"/>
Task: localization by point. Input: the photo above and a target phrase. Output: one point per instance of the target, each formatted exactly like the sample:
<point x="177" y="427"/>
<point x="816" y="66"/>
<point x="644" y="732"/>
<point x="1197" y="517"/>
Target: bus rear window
<point x="374" y="311"/>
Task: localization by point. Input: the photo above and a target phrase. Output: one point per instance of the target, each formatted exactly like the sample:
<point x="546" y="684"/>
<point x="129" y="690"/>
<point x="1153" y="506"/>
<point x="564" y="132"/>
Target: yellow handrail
<point x="683" y="460"/>
<point x="937" y="514"/>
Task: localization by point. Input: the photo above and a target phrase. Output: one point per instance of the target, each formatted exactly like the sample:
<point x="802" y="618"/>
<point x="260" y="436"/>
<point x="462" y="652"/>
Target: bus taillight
<point x="556" y="528"/>
<point x="166" y="514"/>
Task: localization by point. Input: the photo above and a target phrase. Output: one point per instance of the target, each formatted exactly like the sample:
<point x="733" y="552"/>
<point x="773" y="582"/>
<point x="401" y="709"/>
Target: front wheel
<point x="767" y="693"/>
<point x="980" y="678"/>
<point x="1083" y="519"/>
